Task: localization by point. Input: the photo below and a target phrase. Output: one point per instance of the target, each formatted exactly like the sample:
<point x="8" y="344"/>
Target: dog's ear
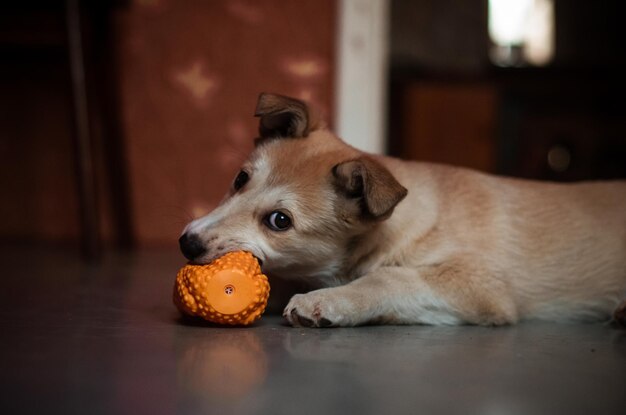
<point x="281" y="116"/>
<point x="370" y="182"/>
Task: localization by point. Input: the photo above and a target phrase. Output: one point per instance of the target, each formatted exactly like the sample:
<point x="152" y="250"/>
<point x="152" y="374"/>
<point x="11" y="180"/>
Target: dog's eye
<point x="278" y="221"/>
<point x="241" y="179"/>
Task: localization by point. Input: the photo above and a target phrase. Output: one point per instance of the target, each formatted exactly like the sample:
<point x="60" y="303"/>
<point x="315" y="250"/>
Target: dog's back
<point x="560" y="247"/>
<point x="568" y="242"/>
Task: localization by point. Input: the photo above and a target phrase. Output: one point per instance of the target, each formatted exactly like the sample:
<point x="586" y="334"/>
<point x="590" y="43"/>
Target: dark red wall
<point x="186" y="78"/>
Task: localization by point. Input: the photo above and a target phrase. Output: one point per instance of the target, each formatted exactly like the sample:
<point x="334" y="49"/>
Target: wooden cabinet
<point x="544" y="125"/>
<point x="451" y="123"/>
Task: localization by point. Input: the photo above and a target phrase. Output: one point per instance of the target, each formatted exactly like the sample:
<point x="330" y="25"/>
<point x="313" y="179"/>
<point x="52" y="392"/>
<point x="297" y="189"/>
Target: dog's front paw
<point x="314" y="309"/>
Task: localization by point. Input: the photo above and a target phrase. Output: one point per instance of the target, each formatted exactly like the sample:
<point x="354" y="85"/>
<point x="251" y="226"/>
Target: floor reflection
<point x="226" y="364"/>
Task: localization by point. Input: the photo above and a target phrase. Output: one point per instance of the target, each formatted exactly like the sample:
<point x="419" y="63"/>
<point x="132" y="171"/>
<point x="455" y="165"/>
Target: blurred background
<point x="120" y="121"/>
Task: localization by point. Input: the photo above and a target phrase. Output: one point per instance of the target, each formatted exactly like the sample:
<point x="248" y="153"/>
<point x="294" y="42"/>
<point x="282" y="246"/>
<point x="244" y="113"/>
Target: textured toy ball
<point x="230" y="290"/>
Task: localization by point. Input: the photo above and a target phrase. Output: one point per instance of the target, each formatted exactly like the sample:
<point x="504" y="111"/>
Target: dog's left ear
<point x="368" y="180"/>
<point x="281" y="116"/>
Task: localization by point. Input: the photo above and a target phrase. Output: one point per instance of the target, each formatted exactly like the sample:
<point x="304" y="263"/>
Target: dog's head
<point x="300" y="200"/>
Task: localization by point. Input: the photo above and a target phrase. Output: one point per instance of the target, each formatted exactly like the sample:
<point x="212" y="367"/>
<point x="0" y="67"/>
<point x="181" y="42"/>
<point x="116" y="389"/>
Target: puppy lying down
<point x="414" y="243"/>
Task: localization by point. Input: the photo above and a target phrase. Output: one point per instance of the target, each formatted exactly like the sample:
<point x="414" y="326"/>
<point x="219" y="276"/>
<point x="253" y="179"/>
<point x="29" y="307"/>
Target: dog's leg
<point x="439" y="294"/>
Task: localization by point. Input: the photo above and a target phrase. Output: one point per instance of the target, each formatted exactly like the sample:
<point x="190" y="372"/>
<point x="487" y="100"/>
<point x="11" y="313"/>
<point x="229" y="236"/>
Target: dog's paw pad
<point x="301" y="320"/>
<point x="314" y="309"/>
<point x="324" y="322"/>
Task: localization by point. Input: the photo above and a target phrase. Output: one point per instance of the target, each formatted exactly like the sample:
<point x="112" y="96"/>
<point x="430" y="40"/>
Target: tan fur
<point x="461" y="247"/>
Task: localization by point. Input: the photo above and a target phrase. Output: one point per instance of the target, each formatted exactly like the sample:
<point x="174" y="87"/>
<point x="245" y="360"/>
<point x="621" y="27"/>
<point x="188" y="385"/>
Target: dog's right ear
<point x="366" y="180"/>
<point x="281" y="116"/>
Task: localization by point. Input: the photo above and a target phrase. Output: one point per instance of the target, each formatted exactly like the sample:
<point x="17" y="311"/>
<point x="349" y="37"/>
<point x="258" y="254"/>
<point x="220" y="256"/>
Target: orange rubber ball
<point x="230" y="290"/>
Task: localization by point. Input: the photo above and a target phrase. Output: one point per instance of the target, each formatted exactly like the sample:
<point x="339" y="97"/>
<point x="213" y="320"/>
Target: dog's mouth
<point x="208" y="260"/>
<point x="258" y="259"/>
<point x="256" y="252"/>
<point x="210" y="254"/>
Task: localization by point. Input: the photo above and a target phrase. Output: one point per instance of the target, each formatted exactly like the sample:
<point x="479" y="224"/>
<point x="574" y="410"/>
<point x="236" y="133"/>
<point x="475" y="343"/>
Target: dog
<point x="401" y="242"/>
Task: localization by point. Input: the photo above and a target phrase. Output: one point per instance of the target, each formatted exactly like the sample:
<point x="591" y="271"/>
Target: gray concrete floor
<point x="78" y="339"/>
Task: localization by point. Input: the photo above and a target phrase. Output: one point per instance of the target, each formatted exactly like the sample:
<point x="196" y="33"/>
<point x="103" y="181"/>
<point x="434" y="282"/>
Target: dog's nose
<point x="191" y="246"/>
